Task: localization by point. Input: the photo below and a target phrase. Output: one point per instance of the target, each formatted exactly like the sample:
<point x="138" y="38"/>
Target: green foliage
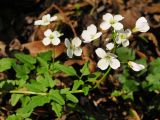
<point x="125" y="54"/>
<point x="6" y="63"/>
<point x="35" y="84"/>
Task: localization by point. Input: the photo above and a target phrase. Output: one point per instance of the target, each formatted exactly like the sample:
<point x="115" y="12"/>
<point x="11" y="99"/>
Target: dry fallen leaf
<point x="36" y="47"/>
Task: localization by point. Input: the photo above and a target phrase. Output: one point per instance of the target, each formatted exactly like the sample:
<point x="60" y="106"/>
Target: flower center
<point x="72" y="47"/>
<point x="123" y="36"/>
<point x="112" y="21"/>
<point x="51" y="37"/>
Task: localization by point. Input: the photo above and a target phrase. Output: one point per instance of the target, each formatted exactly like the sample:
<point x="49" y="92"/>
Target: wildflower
<point x="51" y="37"/>
<point x="107" y="59"/>
<point x="141" y="25"/>
<point x="110" y="46"/>
<point x="73" y="47"/>
<point x="46" y="19"/>
<point x="90" y="34"/>
<point x="135" y="66"/>
<point x="122" y="37"/>
<point x="111" y="21"/>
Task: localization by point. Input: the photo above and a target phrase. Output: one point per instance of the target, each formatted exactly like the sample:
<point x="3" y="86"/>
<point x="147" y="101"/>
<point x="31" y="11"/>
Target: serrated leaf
<point x="55" y="95"/>
<point x="6" y="64"/>
<point x="125" y="54"/>
<point x="77" y="84"/>
<point x="85" y="70"/>
<point x="46" y="56"/>
<point x="25" y="58"/>
<point x="42" y="62"/>
<point x="57" y="108"/>
<point x="15" y="98"/>
<point x="71" y="97"/>
<point x="13" y="117"/>
<point x="66" y="69"/>
<point x="86" y="90"/>
<point x="64" y="90"/>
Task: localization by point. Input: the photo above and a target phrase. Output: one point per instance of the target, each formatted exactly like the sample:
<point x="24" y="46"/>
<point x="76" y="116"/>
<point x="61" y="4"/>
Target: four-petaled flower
<point x="73" y="47"/>
<point x="135" y="66"/>
<point x="51" y="37"/>
<point x="110" y="20"/>
<point x="46" y="19"/>
<point x="90" y="34"/>
<point x="122" y="37"/>
<point x="107" y="59"/>
<point x="141" y="25"/>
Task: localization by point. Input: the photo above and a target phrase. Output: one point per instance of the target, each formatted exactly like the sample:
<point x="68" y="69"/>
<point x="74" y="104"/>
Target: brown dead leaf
<point x="135" y="115"/>
<point x="2" y="49"/>
<point x="38" y="47"/>
<point x="71" y="62"/>
<point x="140" y="54"/>
<point x="15" y="45"/>
<point x="154" y="8"/>
<point x="130" y="15"/>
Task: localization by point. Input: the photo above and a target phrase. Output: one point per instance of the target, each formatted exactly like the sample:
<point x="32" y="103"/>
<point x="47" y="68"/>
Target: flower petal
<point x="54" y="18"/>
<point x="105" y="26"/>
<point x="48" y="32"/>
<point x="85" y="36"/>
<point x="56" y="34"/>
<point x="107" y="17"/>
<point x="128" y="32"/>
<point x="77" y="52"/>
<point x="103" y="64"/>
<point x="110" y="46"/>
<point x="56" y="41"/>
<point x="100" y="53"/>
<point x="67" y="43"/>
<point x="118" y="40"/>
<point x="97" y="35"/>
<point x="46" y="41"/>
<point x="38" y="22"/>
<point x="125" y="43"/>
<point x="142" y="25"/>
<point x="69" y="53"/>
<point x="48" y="16"/>
<point x="76" y="42"/>
<point x="136" y="67"/>
<point x="118" y="26"/>
<point x="92" y="29"/>
<point x="114" y="63"/>
<point x="118" y="18"/>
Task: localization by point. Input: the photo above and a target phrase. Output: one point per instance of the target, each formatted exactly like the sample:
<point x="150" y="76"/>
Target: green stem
<point x="77" y="91"/>
<point x="103" y="78"/>
<point x="27" y="92"/>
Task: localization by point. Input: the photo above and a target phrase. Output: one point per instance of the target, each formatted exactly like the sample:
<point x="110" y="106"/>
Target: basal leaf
<point x="15" y="98"/>
<point x="25" y="58"/>
<point x="57" y="108"/>
<point x="6" y="63"/>
<point x="71" y="97"/>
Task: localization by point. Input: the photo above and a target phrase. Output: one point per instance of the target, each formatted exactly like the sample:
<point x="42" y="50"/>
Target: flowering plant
<point x="42" y="88"/>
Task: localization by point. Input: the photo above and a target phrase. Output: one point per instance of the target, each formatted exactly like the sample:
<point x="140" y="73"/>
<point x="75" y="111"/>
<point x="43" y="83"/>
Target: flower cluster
<point x="107" y="57"/>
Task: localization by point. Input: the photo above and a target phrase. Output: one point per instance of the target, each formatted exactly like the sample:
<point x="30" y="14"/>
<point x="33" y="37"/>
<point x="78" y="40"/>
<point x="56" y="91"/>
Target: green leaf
<point x="43" y="62"/>
<point x="86" y="89"/>
<point x="6" y="64"/>
<point x="66" y="69"/>
<point x="15" y="98"/>
<point x="13" y="117"/>
<point x="125" y="54"/>
<point x="71" y="97"/>
<point x="25" y="58"/>
<point x="116" y="93"/>
<point x="57" y="108"/>
<point x="94" y="76"/>
<point x="46" y="56"/>
<point x="35" y="101"/>
<point x="85" y="70"/>
<point x="55" y="95"/>
<point x="64" y="90"/>
<point x="77" y="84"/>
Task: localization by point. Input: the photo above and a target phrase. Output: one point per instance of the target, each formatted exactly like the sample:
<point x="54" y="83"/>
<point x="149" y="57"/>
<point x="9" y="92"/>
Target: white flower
<point x="107" y="59"/>
<point x="135" y="66"/>
<point x="110" y="46"/>
<point x="122" y="37"/>
<point x="46" y="19"/>
<point x="51" y="37"/>
<point x="73" y="47"/>
<point x="110" y="20"/>
<point x="141" y="25"/>
<point x="90" y="34"/>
